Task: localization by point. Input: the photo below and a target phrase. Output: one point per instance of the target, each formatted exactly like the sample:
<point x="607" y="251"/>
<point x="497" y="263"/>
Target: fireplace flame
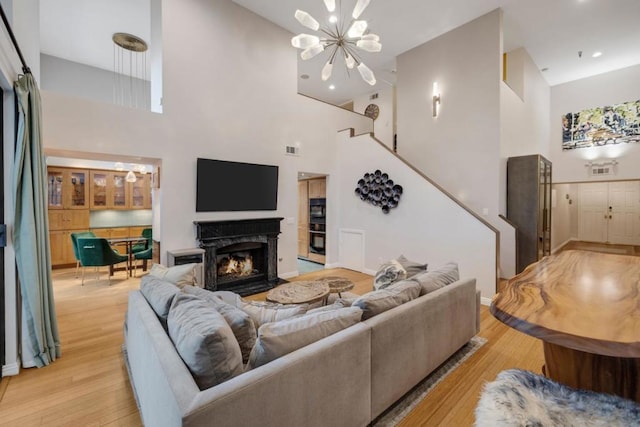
<point x="236" y="265"/>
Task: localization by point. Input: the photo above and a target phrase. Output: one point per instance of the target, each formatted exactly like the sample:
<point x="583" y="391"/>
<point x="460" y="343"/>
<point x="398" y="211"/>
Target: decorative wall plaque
<point x="379" y="190"/>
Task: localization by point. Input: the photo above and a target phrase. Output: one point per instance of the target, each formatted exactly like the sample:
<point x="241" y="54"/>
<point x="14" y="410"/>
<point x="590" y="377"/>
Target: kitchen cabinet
<point x="68" y="219"/>
<point x="303" y="219"/>
<point x="312" y="219"/>
<point x="61" y="248"/>
<point x="67" y="188"/>
<point x="110" y="190"/>
<point x="317" y="188"/>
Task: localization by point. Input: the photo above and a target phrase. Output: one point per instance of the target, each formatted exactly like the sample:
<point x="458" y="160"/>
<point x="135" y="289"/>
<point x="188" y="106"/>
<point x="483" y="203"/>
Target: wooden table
<point x="585" y="307"/>
<point x="337" y="284"/>
<point x="128" y="242"/>
<point x="299" y="292"/>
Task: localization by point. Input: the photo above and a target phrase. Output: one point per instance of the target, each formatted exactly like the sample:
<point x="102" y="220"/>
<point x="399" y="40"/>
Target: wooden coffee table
<point x="299" y="292"/>
<point x="584" y="307"/>
<point x="337" y="284"/>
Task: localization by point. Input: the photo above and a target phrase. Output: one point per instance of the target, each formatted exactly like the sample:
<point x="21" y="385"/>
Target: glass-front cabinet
<point x="141" y="192"/>
<point x="99" y="190"/>
<point x="67" y="188"/>
<point x="118" y="181"/>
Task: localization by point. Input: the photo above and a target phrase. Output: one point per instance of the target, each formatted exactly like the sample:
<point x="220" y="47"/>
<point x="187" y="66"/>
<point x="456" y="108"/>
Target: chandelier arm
<point x="329" y="33"/>
<point x="353" y="53"/>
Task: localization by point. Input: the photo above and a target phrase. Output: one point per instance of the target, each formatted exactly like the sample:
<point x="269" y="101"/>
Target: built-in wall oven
<point x="317" y="225"/>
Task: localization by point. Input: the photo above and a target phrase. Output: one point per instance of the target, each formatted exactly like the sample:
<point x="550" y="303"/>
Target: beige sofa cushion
<point x="159" y="294"/>
<point x="179" y="275"/>
<point x="266" y="312"/>
<point x="411" y="267"/>
<point x="438" y="278"/>
<point x="280" y="338"/>
<point x="204" y="341"/>
<point x="239" y="321"/>
<point x="379" y="301"/>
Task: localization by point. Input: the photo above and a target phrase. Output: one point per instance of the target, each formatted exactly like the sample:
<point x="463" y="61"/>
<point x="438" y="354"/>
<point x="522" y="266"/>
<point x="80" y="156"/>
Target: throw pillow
<point x="338" y="304"/>
<point x="240" y="322"/>
<point x="388" y="273"/>
<point x="280" y="338"/>
<point x="159" y="294"/>
<point x="412" y="268"/>
<point x="204" y="341"/>
<point x="379" y="301"/>
<point x="438" y="278"/>
<point x="266" y="312"/>
<point x="179" y="275"/>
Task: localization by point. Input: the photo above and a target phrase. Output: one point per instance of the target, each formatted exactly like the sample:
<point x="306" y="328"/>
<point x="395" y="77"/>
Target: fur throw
<point x="523" y="399"/>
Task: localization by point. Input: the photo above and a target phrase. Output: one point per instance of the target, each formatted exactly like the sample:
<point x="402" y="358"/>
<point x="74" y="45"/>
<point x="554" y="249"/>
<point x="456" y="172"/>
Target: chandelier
<point x="340" y="39"/>
<point x="130" y="84"/>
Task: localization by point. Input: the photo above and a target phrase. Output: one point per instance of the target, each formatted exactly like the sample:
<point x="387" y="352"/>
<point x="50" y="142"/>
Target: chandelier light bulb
<point x="312" y="51"/>
<point x="307" y="20"/>
<point x="333" y="19"/>
<point x="360" y="7"/>
<point x="304" y="41"/>
<point x="357" y="29"/>
<point x="369" y="45"/>
<point x="349" y="61"/>
<point x="326" y="71"/>
<point x="366" y="74"/>
<point x="331" y="5"/>
<point x="371" y="36"/>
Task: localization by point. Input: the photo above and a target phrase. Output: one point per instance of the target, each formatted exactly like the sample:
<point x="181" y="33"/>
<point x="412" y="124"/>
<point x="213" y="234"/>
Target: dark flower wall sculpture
<point x="379" y="190"/>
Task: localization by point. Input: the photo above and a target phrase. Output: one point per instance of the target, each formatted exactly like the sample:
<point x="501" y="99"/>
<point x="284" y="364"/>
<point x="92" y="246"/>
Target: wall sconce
<point x="436" y="99"/>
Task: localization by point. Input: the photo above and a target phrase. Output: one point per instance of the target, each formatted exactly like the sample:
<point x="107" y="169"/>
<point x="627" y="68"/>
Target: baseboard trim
<point x="485" y="301"/>
<point x="332" y="265"/>
<point x="289" y="275"/>
<point x="10" y="370"/>
<point x="369" y="272"/>
<point x="557" y="248"/>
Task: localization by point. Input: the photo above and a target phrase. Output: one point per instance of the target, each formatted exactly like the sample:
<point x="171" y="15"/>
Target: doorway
<point x="312" y="222"/>
<point x="609" y="212"/>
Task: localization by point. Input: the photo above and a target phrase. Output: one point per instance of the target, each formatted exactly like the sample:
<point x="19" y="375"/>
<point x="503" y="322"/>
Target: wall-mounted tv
<point x="224" y="186"/>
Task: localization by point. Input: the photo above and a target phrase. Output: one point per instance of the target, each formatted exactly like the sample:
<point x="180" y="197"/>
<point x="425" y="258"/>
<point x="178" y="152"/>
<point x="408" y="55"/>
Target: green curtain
<point x="31" y="227"/>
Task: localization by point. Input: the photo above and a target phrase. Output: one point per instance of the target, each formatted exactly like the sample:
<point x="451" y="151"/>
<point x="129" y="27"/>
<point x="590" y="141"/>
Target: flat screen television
<point x="224" y="186"/>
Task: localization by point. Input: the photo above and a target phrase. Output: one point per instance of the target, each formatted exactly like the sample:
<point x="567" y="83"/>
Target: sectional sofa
<point x="346" y="379"/>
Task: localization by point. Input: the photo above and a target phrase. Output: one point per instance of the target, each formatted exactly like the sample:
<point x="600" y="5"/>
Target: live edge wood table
<point x="585" y="307"/>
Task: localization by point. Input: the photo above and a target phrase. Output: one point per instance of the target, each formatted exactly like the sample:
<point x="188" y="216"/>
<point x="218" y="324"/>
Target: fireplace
<point x="240" y="255"/>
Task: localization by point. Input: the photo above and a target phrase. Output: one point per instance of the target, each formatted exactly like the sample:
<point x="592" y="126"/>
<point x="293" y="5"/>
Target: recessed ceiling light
<point x="333" y="19"/>
<point x="332" y="87"/>
<point x="304" y="76"/>
<point x="596" y="54"/>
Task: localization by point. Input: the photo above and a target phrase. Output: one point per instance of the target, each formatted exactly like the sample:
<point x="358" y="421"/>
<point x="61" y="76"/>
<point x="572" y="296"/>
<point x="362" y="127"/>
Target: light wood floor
<point x="89" y="386"/>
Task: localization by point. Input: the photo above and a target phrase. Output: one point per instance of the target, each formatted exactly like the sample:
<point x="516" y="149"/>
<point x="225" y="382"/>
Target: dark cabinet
<point x="529" y="207"/>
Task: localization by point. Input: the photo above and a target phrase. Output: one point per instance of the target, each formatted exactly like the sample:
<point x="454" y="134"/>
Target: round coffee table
<point x="337" y="284"/>
<point x="299" y="292"/>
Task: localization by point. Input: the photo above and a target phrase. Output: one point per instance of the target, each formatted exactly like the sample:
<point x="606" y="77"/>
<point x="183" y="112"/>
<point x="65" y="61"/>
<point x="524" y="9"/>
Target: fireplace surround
<point x="240" y="255"/>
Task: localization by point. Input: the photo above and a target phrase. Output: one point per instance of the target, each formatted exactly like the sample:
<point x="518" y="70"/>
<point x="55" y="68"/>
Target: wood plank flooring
<point x="89" y="386"/>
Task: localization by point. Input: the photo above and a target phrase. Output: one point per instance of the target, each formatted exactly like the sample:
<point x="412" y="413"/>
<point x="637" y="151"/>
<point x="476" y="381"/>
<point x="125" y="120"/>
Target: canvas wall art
<point x="612" y="124"/>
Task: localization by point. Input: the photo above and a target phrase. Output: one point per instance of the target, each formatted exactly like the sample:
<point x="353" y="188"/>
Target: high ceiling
<point x="552" y="31"/>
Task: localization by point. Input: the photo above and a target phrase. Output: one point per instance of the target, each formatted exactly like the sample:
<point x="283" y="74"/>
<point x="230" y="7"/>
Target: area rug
<point x="402" y="407"/>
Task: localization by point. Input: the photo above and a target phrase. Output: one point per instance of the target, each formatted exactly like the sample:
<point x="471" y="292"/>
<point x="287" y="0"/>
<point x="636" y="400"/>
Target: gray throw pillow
<point x="388" y="273"/>
<point x="379" y="301"/>
<point x="240" y="322"/>
<point x="438" y="278"/>
<point x="280" y="338"/>
<point x="266" y="312"/>
<point x="159" y="294"/>
<point x="179" y="275"/>
<point x="204" y="341"/>
<point x="411" y="267"/>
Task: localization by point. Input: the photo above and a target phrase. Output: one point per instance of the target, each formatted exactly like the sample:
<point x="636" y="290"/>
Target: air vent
<point x="601" y="170"/>
<point x="291" y="150"/>
<point x="374" y="96"/>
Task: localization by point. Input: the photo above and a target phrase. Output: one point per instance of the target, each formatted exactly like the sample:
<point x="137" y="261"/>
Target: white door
<point x="624" y="212"/>
<point x="609" y="212"/>
<point x="592" y="212"/>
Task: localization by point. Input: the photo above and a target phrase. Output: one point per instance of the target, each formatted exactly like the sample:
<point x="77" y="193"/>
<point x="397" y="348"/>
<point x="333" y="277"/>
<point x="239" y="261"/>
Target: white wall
<point x="459" y="149"/>
<point x="605" y="89"/>
<point x="230" y="83"/>
<point x="72" y="78"/>
<point x="427" y="226"/>
<point x="564" y="214"/>
<point x="384" y="126"/>
<point x="524" y="130"/>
